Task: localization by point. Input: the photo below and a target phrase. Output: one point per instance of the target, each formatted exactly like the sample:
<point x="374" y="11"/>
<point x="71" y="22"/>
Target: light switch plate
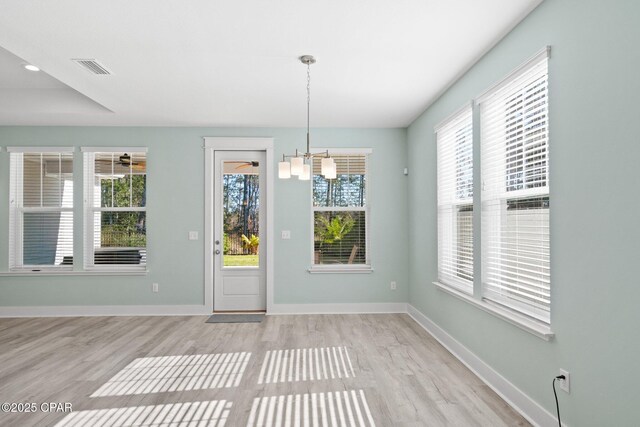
<point x="193" y="235"/>
<point x="286" y="234"/>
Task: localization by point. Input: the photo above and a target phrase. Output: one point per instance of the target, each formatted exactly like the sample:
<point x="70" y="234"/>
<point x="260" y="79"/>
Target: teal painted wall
<point x="176" y="206"/>
<point x="595" y="236"/>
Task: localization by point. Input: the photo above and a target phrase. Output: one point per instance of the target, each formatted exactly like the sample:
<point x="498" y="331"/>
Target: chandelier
<point x="300" y="164"/>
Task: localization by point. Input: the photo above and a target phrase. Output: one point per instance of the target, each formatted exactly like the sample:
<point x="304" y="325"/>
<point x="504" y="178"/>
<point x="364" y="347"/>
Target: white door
<point x="239" y="232"/>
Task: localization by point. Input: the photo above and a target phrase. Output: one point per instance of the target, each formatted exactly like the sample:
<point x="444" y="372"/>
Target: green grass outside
<point x="241" y="260"/>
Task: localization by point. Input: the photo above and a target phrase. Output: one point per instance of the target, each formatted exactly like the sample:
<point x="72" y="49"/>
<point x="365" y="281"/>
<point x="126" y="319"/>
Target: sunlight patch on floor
<point x="177" y="373"/>
<point x="340" y="408"/>
<point x="210" y="413"/>
<point x="307" y="364"/>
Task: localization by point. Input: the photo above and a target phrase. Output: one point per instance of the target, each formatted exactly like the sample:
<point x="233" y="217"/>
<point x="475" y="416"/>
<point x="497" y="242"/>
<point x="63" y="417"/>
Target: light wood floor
<point x="402" y="375"/>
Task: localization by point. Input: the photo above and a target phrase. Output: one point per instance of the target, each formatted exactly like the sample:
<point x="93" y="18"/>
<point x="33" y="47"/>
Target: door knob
<point x="217" y="251"/>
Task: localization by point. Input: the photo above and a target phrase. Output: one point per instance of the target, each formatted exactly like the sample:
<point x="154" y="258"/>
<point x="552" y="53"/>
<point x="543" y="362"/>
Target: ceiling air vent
<point x="93" y="66"/>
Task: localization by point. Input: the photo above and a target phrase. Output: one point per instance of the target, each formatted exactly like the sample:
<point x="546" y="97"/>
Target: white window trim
<point x="343" y="268"/>
<point x="523" y="322"/>
<point x="46" y="272"/>
<point x="497" y="92"/>
<point x="114" y="149"/>
<point x="89" y="210"/>
<point x="332" y="269"/>
<point x="526" y="323"/>
<point x="43" y="149"/>
<point x="545" y="52"/>
<point x="454" y="118"/>
<point x="16" y="230"/>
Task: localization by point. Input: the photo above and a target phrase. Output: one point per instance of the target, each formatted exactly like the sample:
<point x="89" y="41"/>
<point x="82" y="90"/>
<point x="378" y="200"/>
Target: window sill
<point x="522" y="322"/>
<point x="74" y="273"/>
<point x="339" y="269"/>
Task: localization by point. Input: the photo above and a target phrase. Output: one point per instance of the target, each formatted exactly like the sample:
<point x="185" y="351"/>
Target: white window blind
<point x="455" y="201"/>
<point x="515" y="193"/>
<point x="41" y="209"/>
<point x="340" y="213"/>
<point x="115" y="185"/>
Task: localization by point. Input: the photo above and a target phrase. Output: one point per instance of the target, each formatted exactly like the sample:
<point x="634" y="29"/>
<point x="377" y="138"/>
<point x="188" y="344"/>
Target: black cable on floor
<point x="559" y="377"/>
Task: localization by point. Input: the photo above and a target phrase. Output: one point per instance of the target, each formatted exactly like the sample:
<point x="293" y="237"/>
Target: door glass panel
<point x="240" y="209"/>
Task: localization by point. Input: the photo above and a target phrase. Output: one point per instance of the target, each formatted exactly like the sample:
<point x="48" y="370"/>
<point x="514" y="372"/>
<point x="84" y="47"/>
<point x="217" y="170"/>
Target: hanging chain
<point x="307" y="59"/>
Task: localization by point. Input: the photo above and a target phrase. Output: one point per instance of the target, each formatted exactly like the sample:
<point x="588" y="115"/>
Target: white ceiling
<point x="24" y="94"/>
<point x="234" y="63"/>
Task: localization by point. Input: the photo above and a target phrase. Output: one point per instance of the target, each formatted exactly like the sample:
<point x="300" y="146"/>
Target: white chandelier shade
<point x="306" y="173"/>
<point x="284" y="170"/>
<point x="296" y="166"/>
<point x="328" y="167"/>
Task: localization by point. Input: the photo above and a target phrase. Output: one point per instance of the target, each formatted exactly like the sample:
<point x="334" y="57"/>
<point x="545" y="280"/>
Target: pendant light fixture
<point x="300" y="164"/>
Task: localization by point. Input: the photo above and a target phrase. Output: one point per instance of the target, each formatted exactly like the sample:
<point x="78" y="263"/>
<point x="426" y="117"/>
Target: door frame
<point x="212" y="144"/>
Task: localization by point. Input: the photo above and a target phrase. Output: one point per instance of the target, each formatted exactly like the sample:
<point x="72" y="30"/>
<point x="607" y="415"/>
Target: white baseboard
<point x="342" y="308"/>
<point x="527" y="407"/>
<point x="192" y="310"/>
<point x="104" y="310"/>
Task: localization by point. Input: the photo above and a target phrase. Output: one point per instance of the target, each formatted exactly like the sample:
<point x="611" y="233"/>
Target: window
<point x="340" y="213"/>
<point x="241" y="213"/>
<point x="41" y="208"/>
<point x="455" y="201"/>
<point x="115" y="192"/>
<point x="515" y="195"/>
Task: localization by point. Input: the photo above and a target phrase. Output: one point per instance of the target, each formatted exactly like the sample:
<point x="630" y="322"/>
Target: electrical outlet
<point x="565" y="384"/>
<point x="286" y="234"/>
<point x="394" y="286"/>
<point x="154" y="287"/>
